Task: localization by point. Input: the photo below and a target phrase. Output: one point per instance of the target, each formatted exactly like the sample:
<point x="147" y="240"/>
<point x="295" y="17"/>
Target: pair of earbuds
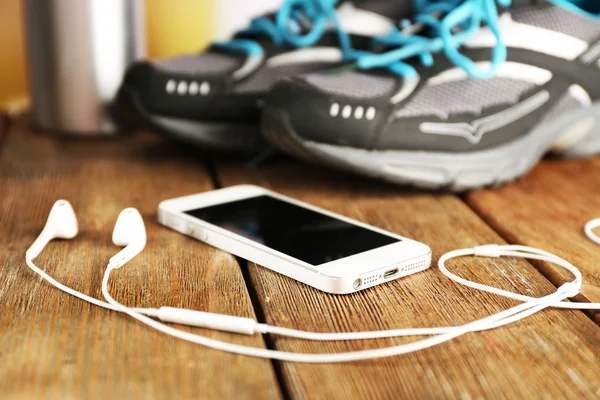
<point x="130" y="233"/>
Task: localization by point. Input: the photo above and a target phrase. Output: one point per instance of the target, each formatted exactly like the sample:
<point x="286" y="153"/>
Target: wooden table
<point x="56" y="346"/>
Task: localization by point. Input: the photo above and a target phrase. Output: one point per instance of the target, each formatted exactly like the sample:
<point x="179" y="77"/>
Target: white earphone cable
<point x="131" y="233"/>
<point x="489" y="251"/>
<point x="73" y="292"/>
<point x="523" y="310"/>
<point x="442" y="334"/>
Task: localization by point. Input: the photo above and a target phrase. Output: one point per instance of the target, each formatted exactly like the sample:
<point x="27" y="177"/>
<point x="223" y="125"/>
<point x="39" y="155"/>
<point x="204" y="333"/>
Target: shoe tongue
<point x="396" y="10"/>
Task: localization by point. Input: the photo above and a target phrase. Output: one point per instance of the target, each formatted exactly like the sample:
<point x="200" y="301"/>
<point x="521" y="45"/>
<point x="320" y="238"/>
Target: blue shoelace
<point x="461" y="20"/>
<point x="285" y="27"/>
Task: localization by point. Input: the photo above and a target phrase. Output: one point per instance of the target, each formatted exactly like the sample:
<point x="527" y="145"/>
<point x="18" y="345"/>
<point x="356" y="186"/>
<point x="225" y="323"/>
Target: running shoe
<point x="472" y="94"/>
<point x="214" y="99"/>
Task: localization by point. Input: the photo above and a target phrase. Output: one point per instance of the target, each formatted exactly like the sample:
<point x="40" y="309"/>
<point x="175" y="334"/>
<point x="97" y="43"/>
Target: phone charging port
<point x="390" y="273"/>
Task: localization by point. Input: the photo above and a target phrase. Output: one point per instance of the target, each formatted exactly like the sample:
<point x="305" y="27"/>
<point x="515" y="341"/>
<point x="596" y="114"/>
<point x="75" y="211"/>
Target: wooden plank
<point x="56" y="346"/>
<point x="553" y="354"/>
<point x="548" y="209"/>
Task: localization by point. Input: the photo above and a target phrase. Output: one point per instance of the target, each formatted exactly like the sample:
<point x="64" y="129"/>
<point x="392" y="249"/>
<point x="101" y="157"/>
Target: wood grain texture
<point x="56" y="346"/>
<point x="554" y="354"/>
<point x="548" y="209"/>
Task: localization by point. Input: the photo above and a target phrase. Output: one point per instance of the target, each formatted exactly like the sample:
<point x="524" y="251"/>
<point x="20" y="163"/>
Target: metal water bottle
<point x="78" y="52"/>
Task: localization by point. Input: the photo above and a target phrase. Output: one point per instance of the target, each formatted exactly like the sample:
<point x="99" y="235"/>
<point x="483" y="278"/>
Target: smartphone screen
<point x="301" y="233"/>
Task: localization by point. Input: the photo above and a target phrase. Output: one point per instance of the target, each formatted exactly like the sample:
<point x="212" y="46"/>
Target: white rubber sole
<point x="567" y="136"/>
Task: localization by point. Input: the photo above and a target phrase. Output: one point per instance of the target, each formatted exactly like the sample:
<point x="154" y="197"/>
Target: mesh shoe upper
<point x="463" y="97"/>
<point x="352" y="84"/>
<point x="227" y="83"/>
<point x="552" y="67"/>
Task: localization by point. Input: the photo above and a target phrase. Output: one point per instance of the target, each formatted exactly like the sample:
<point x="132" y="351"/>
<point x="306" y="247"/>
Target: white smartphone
<point x="317" y="247"/>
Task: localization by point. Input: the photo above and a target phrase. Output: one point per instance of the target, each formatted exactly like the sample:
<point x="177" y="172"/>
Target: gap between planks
<point x="259" y="311"/>
<point x="34" y="171"/>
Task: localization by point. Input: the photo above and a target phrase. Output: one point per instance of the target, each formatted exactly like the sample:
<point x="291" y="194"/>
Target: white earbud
<point x="61" y="224"/>
<point x="589" y="230"/>
<point x="129" y="231"/>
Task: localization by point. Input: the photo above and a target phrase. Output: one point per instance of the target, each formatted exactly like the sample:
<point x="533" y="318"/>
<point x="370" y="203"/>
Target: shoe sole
<point x="232" y="137"/>
<point x="457" y="172"/>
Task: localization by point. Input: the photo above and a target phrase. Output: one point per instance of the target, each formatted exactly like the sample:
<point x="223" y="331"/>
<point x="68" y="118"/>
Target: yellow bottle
<point x="177" y="27"/>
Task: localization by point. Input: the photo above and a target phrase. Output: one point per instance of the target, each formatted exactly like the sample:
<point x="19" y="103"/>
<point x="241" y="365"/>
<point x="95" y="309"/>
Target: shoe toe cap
<point x="189" y="87"/>
<point x="322" y="117"/>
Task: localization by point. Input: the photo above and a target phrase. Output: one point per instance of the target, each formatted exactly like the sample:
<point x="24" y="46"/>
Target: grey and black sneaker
<point x="214" y="99"/>
<point x="461" y="99"/>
